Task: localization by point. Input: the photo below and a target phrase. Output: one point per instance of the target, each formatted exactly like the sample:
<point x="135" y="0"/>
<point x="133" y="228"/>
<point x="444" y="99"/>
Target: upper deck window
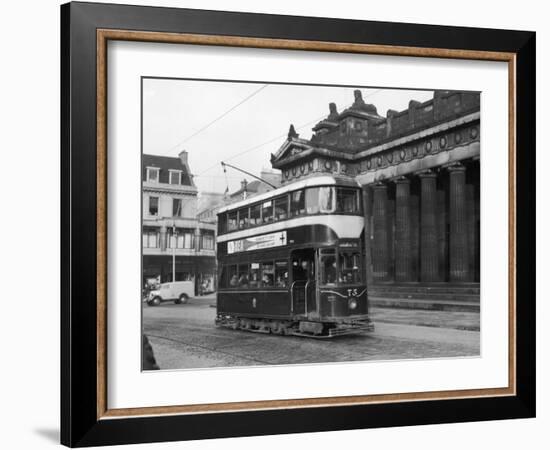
<point x="348" y="200"/>
<point x="313" y="200"/>
<point x="320" y="200"/>
<point x="297" y="203"/>
<point x="267" y="211"/>
<point x="281" y="207"/>
<point x="243" y="218"/>
<point x="232" y="221"/>
<point x="255" y="215"/>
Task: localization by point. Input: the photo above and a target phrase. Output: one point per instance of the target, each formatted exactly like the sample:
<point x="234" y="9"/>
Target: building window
<point x="153" y="174"/>
<point x="153" y="206"/>
<point x="150" y="238"/>
<point x="184" y="238"/>
<point x="175" y="176"/>
<point x="177" y="207"/>
<point x="207" y="241"/>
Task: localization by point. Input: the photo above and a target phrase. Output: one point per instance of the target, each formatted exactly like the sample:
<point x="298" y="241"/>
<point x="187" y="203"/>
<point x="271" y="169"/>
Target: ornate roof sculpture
<point x="344" y="142"/>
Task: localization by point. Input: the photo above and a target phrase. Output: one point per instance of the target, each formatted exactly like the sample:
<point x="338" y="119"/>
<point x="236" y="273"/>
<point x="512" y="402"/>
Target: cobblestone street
<point x="184" y="336"/>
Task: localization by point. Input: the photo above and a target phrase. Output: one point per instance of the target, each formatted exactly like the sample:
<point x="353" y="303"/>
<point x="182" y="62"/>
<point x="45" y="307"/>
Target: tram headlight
<point x="352" y="303"/>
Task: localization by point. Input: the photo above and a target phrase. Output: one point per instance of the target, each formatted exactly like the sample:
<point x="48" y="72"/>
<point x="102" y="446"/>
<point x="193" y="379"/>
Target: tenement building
<point x="171" y="232"/>
<point x="419" y="169"/>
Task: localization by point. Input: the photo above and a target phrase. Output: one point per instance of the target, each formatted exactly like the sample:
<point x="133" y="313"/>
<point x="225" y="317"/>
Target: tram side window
<point x="222" y="223"/>
<point x="350" y="267"/>
<point x="329" y="271"/>
<point x="348" y="200"/>
<point x="243" y="275"/>
<point x="267" y="274"/>
<point x="254" y="278"/>
<point x="232" y="221"/>
<point x="312" y="200"/>
<point x="255" y="215"/>
<point x="267" y="211"/>
<point x="297" y="203"/>
<point x="281" y="207"/>
<point x="281" y="274"/>
<point x="223" y="276"/>
<point x="232" y="276"/>
<point x="320" y="200"/>
<point x="243" y="218"/>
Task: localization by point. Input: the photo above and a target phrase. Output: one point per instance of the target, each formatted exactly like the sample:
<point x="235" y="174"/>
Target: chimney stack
<point x="183" y="157"/>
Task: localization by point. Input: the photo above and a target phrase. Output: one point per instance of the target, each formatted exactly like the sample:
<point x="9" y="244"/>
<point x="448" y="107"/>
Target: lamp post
<point x="174" y="244"/>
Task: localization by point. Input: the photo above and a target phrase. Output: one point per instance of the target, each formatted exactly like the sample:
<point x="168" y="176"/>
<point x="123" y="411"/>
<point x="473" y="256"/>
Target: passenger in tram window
<point x="254" y="282"/>
<point x="234" y="281"/>
<point x="330" y="270"/>
<point x="267" y="280"/>
<point x="243" y="280"/>
<point x="303" y="271"/>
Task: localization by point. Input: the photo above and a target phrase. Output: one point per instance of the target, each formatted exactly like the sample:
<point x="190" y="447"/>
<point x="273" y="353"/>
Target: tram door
<point x="303" y="282"/>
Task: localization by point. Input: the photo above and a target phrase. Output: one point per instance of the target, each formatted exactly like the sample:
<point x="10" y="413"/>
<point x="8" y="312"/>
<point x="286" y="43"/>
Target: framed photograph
<point x="277" y="224"/>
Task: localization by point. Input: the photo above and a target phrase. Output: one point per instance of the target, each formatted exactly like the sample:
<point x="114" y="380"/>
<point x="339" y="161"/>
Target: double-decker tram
<point x="291" y="260"/>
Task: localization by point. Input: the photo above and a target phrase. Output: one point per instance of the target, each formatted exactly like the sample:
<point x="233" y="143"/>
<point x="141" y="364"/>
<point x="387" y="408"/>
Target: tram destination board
<point x="257" y="242"/>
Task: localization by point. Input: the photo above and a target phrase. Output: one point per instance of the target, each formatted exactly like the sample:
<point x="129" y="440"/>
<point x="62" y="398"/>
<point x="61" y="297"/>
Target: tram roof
<point x="325" y="180"/>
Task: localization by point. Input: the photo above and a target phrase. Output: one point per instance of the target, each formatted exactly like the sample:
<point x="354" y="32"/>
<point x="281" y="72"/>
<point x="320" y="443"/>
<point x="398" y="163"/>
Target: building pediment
<point x="291" y="147"/>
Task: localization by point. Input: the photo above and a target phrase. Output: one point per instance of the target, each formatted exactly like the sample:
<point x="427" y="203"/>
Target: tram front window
<point x="329" y="270"/>
<point x="350" y="267"/>
<point x="348" y="200"/>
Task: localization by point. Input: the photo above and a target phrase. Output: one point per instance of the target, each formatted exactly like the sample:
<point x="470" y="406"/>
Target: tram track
<point x="209" y="349"/>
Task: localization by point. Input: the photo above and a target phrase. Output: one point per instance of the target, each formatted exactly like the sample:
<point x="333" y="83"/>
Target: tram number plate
<point x="257" y="242"/>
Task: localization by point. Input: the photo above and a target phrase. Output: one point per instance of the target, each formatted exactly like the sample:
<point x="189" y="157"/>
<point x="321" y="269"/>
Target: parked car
<point x="177" y="291"/>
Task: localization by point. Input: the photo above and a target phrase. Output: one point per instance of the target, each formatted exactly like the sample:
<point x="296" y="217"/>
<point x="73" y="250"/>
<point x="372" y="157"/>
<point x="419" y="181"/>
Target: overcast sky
<point x="177" y="114"/>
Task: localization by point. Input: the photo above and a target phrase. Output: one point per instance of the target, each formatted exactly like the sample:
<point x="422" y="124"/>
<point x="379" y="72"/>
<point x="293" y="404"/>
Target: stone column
<point x="380" y="232"/>
<point x="442" y="234"/>
<point x="415" y="240"/>
<point x="429" y="263"/>
<point x="367" y="211"/>
<point x="403" y="248"/>
<point x="458" y="251"/>
<point x="471" y="229"/>
<point x="391" y="237"/>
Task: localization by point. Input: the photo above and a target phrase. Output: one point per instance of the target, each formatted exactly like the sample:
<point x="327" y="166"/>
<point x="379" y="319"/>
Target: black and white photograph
<point x="289" y="224"/>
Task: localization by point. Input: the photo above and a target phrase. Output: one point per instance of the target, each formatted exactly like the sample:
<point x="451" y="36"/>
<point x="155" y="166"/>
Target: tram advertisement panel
<point x="257" y="242"/>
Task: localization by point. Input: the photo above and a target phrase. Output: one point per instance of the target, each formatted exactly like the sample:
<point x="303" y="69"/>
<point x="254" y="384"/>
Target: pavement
<point x="184" y="336"/>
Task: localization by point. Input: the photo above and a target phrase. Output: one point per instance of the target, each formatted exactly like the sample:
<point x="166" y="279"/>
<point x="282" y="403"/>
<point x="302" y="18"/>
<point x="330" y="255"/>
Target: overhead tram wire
<point x="212" y="122"/>
<point x="236" y="155"/>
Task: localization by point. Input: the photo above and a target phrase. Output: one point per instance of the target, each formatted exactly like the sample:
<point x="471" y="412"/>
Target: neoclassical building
<point x="419" y="169"/>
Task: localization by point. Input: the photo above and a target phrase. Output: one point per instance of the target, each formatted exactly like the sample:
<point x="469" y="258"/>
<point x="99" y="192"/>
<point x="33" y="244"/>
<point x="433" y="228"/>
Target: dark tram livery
<point x="291" y="260"/>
